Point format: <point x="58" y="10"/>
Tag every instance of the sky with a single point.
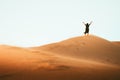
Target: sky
<point x="37" y="22"/>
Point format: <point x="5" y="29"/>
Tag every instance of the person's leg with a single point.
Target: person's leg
<point x="85" y="33"/>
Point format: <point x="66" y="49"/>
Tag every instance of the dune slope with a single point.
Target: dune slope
<point x="86" y="47"/>
<point x="79" y="58"/>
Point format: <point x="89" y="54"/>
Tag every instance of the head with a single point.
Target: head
<point x="87" y="24"/>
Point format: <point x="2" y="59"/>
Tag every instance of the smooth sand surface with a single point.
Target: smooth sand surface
<point x="79" y="58"/>
<point x="86" y="47"/>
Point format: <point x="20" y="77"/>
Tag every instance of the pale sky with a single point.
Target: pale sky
<point x="38" y="22"/>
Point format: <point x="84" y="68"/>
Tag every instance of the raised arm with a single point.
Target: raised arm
<point x="83" y="23"/>
<point x="90" y="22"/>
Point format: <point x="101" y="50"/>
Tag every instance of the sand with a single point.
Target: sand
<point x="79" y="58"/>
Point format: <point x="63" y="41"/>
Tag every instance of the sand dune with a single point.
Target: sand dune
<point x="79" y="58"/>
<point x="86" y="47"/>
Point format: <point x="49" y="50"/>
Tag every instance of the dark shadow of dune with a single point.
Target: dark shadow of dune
<point x="5" y="76"/>
<point x="60" y="67"/>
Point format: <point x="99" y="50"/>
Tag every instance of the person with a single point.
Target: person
<point x="87" y="27"/>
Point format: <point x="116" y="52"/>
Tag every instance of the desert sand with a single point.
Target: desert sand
<point x="79" y="58"/>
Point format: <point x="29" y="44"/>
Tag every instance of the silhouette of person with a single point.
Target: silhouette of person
<point x="87" y="28"/>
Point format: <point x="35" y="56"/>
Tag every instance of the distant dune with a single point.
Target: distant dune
<point x="117" y="43"/>
<point x="80" y="58"/>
